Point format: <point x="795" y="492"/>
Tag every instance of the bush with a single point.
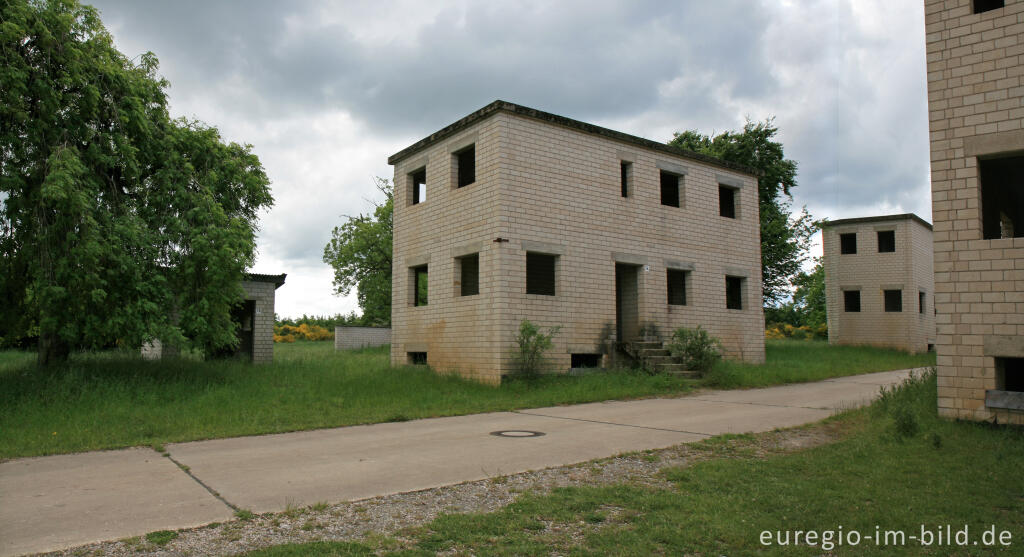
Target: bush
<point x="695" y="349"/>
<point x="778" y="331"/>
<point x="304" y="331"/>
<point x="531" y="344"/>
<point x="911" y="406"/>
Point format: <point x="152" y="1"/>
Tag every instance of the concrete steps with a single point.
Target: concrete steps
<point x="655" y="358"/>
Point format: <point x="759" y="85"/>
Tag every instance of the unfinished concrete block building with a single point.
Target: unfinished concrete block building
<point x="975" y="91"/>
<point x="512" y="213"/>
<point x="879" y="282"/>
<point x="255" y="318"/>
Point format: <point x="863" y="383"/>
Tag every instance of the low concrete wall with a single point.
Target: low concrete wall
<point x="360" y="337"/>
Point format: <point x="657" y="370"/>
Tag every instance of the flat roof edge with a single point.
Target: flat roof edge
<point x="512" y="108"/>
<point x="277" y="280"/>
<point x="879" y="218"/>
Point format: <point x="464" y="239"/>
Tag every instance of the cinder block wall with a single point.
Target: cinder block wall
<point x="908" y="268"/>
<point x="263" y="319"/>
<point x="975" y="110"/>
<point x="548" y="188"/>
<point x="564" y="196"/>
<point x="346" y="338"/>
<point x="457" y="332"/>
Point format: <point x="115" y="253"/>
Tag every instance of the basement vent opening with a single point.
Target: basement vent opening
<point x="1010" y="374"/>
<point x="417" y="358"/>
<point x="585" y="361"/>
<point x="1009" y="391"/>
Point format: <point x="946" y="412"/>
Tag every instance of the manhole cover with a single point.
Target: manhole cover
<point x="517" y="433"/>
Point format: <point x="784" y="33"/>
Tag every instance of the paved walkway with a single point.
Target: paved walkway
<point x="55" y="502"/>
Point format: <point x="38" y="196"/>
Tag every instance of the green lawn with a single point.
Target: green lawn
<point x="109" y="400"/>
<point x="899" y="468"/>
<point x="795" y="361"/>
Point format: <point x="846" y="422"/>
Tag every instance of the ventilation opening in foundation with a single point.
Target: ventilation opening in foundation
<point x="1010" y="374"/>
<point x="417" y="358"/>
<point x="585" y="360"/>
<point x="1002" y="198"/>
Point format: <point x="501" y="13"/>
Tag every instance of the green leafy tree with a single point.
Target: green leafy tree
<point x="360" y="254"/>
<point x="117" y="223"/>
<point x="785" y="238"/>
<point x="809" y="297"/>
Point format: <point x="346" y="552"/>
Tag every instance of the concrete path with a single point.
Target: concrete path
<point x="50" y="503"/>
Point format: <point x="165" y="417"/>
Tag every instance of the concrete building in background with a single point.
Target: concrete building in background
<point x="512" y="213"/>
<point x="976" y="111"/>
<point x="255" y="318"/>
<point x="879" y="282"/>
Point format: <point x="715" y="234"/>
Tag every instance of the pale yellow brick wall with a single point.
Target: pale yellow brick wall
<point x="553" y="189"/>
<point x="456" y="332"/>
<point x="909" y="269"/>
<point x="974" y="96"/>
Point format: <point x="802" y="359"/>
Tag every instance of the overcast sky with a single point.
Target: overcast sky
<point x="325" y="91"/>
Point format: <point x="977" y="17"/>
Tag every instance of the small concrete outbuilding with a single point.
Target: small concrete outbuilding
<point x="879" y="284"/>
<point x="255" y="316"/>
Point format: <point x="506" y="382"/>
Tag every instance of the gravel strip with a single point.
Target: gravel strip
<point x="389" y="515"/>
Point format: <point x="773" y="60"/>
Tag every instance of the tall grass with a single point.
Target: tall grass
<point x="101" y="401"/>
<point x="112" y="400"/>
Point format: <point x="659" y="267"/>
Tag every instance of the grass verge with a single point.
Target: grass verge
<point x="796" y="361"/>
<point x="899" y="469"/>
<point x="105" y="401"/>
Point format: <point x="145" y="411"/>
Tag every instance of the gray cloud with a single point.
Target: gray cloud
<point x="584" y="59"/>
<point x="326" y="91"/>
